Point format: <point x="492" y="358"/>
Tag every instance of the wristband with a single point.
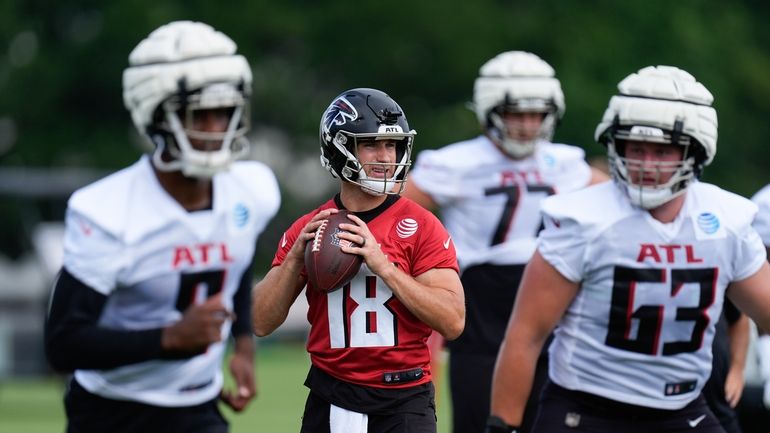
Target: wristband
<point x="495" y="424"/>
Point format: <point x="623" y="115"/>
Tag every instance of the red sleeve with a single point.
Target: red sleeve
<point x="291" y="234"/>
<point x="288" y="238"/>
<point x="434" y="248"/>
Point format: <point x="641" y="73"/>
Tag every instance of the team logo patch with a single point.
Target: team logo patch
<point x="708" y="222"/>
<point x="240" y="215"/>
<point x="339" y="112"/>
<point x="406" y="227"/>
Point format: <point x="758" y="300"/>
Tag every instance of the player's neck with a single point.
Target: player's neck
<point x="668" y="211"/>
<point x="356" y="200"/>
<point x="191" y="193"/>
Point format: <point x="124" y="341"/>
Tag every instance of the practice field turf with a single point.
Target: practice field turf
<point x="34" y="405"/>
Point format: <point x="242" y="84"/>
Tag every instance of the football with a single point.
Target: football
<point x="328" y="268"/>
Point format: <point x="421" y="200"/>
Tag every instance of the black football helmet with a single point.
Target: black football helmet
<point x="365" y="113"/>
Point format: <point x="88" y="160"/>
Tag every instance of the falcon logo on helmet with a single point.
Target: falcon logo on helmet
<point x="339" y="112"/>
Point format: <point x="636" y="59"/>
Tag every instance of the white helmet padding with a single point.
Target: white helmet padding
<point x="659" y="104"/>
<point x="517" y="81"/>
<point x="185" y="66"/>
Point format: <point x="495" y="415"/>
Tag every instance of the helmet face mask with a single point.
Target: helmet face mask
<point x="650" y="184"/>
<point x="517" y="82"/>
<point x="510" y="140"/>
<point x="666" y="106"/>
<point x="178" y="127"/>
<point x="180" y="69"/>
<point x="361" y="115"/>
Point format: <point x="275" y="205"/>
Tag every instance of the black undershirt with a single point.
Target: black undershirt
<point x="369" y="215"/>
<point x="74" y="339"/>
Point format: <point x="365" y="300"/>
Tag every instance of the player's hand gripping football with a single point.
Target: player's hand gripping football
<point x="358" y="233"/>
<point x="200" y="326"/>
<point x="297" y="252"/>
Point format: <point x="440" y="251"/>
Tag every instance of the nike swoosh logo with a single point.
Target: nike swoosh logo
<point x="446" y="242"/>
<point x="694" y="422"/>
<point x="283" y="240"/>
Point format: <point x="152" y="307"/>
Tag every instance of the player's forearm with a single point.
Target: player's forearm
<point x="274" y="295"/>
<point x="103" y="349"/>
<point x="739" y="344"/>
<point x="245" y="346"/>
<point x="74" y="339"/>
<point x="242" y="307"/>
<point x="430" y="300"/>
<point x="512" y="381"/>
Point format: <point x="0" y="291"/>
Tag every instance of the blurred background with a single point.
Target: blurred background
<point x="63" y="124"/>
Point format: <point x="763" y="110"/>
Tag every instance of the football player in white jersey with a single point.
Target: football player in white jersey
<point x="488" y="190"/>
<point x="634" y="272"/>
<point x="158" y="256"/>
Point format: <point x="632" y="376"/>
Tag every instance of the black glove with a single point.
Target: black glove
<point x="495" y="424"/>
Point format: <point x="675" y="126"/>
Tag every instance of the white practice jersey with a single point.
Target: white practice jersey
<point x="490" y="202"/>
<point x="641" y="327"/>
<point x="129" y="240"/>
<point x="762" y="220"/>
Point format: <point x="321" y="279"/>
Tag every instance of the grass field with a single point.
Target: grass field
<point x="34" y="405"/>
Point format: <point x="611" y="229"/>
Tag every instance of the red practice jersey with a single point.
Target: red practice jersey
<point x="362" y="332"/>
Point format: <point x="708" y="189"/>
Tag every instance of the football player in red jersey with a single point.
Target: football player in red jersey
<point x="157" y="256"/>
<point x="634" y="272"/>
<point x="368" y="346"/>
<point x="488" y="190"/>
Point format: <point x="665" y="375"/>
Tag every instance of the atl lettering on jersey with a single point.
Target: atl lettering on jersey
<point x="201" y="254"/>
<point x="667" y="254"/>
